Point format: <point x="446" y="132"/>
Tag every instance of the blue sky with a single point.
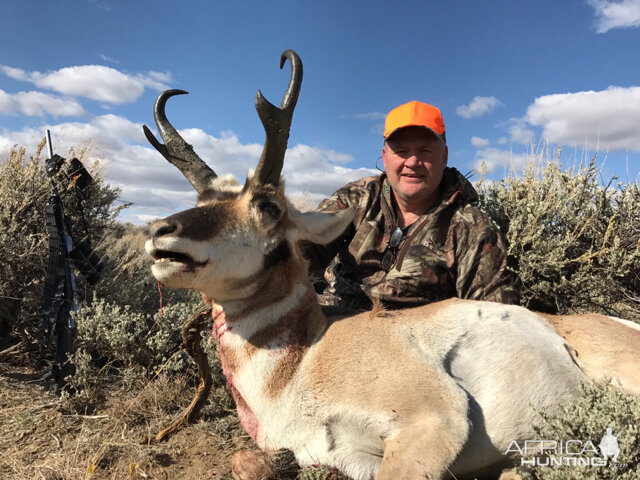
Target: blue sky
<point x="506" y="74"/>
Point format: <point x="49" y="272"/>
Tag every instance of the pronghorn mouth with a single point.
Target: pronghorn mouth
<point x="161" y="256"/>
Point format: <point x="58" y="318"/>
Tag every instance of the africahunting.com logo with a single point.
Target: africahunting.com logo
<point x="576" y="453"/>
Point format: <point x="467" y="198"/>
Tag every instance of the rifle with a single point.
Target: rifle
<point x="60" y="296"/>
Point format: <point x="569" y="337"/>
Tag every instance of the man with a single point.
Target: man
<point x="418" y="235"/>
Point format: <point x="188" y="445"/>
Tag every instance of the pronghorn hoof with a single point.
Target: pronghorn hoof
<point x="252" y="465"/>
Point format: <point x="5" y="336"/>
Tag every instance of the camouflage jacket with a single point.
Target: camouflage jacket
<point x="454" y="250"/>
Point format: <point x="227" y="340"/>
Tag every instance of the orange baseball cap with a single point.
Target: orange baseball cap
<point x="415" y="114"/>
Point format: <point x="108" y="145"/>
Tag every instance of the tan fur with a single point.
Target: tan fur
<point x="263" y="337"/>
<point x="604" y="348"/>
<point x="341" y="363"/>
<point x="231" y="358"/>
<point x="378" y="309"/>
<point x="263" y="298"/>
<point x="284" y="371"/>
<point x="279" y="286"/>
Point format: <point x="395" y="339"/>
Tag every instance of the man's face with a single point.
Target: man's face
<point x="414" y="159"/>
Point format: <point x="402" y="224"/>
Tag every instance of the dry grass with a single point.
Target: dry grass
<point x="46" y="437"/>
<point x="51" y="438"/>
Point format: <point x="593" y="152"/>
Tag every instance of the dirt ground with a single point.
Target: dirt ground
<point x="109" y="436"/>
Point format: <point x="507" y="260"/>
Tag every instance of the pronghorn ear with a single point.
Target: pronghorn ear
<point x="320" y="227"/>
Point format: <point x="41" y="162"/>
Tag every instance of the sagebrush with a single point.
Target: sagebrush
<point x="587" y="419"/>
<point x="573" y="241"/>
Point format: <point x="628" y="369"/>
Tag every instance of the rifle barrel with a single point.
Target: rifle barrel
<point x="49" y="146"/>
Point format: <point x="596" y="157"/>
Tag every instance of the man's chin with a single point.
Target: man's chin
<point x="413" y="189"/>
<point x="416" y="194"/>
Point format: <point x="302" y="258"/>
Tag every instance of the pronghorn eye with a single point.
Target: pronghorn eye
<point x="270" y="209"/>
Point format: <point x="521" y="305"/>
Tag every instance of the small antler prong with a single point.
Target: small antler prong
<point x="277" y="123"/>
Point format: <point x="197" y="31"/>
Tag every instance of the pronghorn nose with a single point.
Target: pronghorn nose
<point x="163" y="228"/>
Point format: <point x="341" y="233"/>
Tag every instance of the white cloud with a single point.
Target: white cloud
<point x="96" y="82"/>
<point x="519" y="132"/>
<point x="164" y="77"/>
<point x="479" y="142"/>
<point x="368" y="116"/>
<point x="338" y="157"/>
<point x="158" y="188"/>
<point x="494" y="158"/>
<point x="38" y="104"/>
<point x="622" y="14"/>
<point x="225" y="154"/>
<point x="603" y="120"/>
<point x="15" y="73"/>
<point x="119" y="128"/>
<point x="154" y="203"/>
<point x="313" y="171"/>
<point x="155" y="80"/>
<point x="478" y="107"/>
<point x="108" y="59"/>
<point x="143" y="175"/>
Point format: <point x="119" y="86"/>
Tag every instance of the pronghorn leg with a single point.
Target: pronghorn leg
<point x="252" y="465"/>
<point x="424" y="449"/>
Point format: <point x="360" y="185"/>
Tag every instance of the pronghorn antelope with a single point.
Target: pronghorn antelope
<point x="426" y="392"/>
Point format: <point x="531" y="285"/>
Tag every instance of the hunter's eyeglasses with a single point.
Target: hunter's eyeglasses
<point x="389" y="257"/>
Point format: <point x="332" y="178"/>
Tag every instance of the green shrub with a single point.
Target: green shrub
<point x="588" y="419"/>
<point x="121" y="338"/>
<point x="118" y="343"/>
<point x="574" y="242"/>
<point x="320" y="473"/>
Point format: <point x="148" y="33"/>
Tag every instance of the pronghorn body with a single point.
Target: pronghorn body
<point x="405" y="394"/>
<point x="347" y="392"/>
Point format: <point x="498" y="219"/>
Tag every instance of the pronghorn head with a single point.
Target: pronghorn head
<point x="235" y="234"/>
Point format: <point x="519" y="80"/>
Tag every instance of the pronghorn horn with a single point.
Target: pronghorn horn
<point x="175" y="149"/>
<point x="277" y="122"/>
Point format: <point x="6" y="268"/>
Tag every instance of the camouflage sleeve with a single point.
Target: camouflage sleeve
<point x="482" y="262"/>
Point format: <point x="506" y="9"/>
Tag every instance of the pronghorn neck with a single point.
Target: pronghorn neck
<point x="283" y="309"/>
<point x="263" y="339"/>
